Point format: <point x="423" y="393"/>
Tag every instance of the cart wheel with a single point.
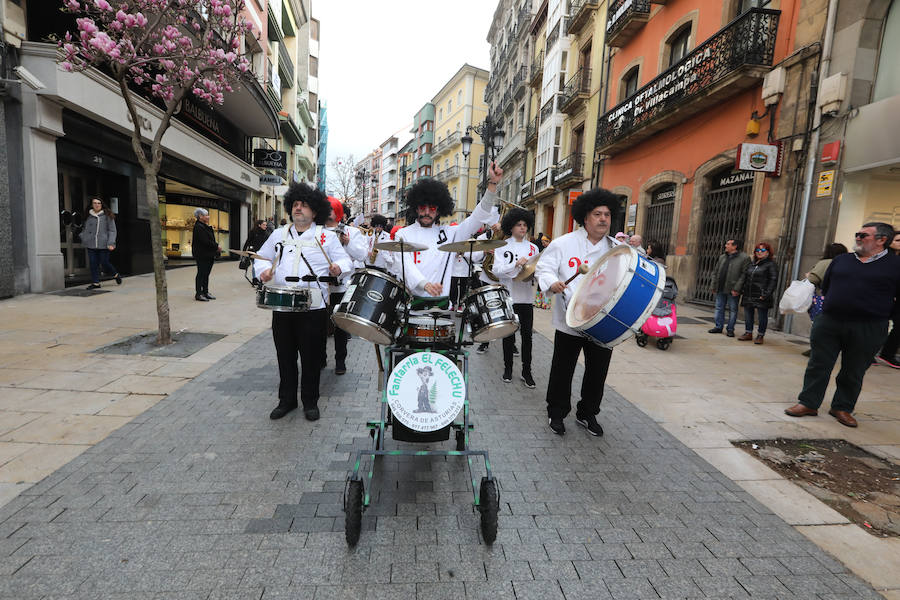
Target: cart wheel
<point x="353" y="511"/>
<point x="664" y="343"/>
<point x="641" y="339"/>
<point x="489" y="505"/>
<point x="460" y="439"/>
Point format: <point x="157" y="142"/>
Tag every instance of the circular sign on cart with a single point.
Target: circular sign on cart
<point x="426" y="391"/>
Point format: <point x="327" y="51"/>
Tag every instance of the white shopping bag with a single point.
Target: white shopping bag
<point x="797" y="298"/>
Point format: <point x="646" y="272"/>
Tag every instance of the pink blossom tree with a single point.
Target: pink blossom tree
<point x="167" y="49"/>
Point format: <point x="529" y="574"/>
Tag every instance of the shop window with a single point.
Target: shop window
<point x="679" y="44"/>
<point x="629" y="84"/>
<point x="887" y="79"/>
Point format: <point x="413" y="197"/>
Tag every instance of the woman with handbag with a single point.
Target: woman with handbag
<point x="758" y="286"/>
<point x="817" y="274"/>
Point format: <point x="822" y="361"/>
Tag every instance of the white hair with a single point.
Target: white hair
<point x="201" y="212"/>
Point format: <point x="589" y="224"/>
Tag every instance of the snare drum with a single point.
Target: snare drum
<point x="616" y="296"/>
<point x="429" y="330"/>
<point x="281" y="298"/>
<point x="369" y="306"/>
<point x="491" y="314"/>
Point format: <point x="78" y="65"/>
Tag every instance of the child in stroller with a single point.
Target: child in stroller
<point x="663" y="321"/>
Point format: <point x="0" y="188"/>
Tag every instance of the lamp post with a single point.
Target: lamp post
<point x="492" y="136"/>
<point x="363" y="178"/>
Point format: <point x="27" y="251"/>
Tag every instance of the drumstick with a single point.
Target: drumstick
<point x="319" y="244"/>
<point x="581" y="270"/>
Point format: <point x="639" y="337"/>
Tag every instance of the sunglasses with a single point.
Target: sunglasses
<point x="761" y="250"/>
<point x="428" y="207"/>
<point x="861" y="235"/>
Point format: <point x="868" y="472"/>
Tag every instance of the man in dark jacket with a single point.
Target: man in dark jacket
<point x="862" y="291"/>
<point x="205" y="248"/>
<point x="728" y="280"/>
<point x="257" y="237"/>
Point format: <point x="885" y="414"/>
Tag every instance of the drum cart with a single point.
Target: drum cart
<point x="357" y="495"/>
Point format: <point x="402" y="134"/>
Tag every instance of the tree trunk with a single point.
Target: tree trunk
<point x="159" y="268"/>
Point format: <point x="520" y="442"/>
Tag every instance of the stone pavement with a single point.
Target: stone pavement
<point x="202" y="496"/>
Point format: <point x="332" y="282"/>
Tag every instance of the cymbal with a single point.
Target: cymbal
<point x="528" y="268"/>
<point x="400" y="246"/>
<point x="472" y="245"/>
<point x="249" y="254"/>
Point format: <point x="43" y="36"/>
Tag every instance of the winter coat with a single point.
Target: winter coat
<point x="759" y="283"/>
<point x="736" y="267"/>
<point x="256" y="239"/>
<point x="204" y="243"/>
<point x="99" y="231"/>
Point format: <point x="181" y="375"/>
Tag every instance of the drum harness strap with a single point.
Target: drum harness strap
<point x="298" y="245"/>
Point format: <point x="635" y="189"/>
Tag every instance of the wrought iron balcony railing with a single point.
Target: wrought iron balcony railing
<point x="446" y="143"/>
<point x="518" y="84"/>
<point x="553" y="35"/>
<point x="448" y="173"/>
<point x="735" y="58"/>
<point x="526" y="190"/>
<point x="542" y="182"/>
<point x="547" y="109"/>
<point x="624" y="18"/>
<point x="579" y="10"/>
<point x="537" y="68"/>
<point x="577" y="89"/>
<point x="531" y="132"/>
<point x="569" y="169"/>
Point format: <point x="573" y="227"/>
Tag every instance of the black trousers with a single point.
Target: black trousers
<point x="201" y="281"/>
<point x="300" y="333"/>
<point x="526" y="322"/>
<point x="856" y="342"/>
<point x="889" y="350"/>
<point x="341" y="337"/>
<point x="562" y="368"/>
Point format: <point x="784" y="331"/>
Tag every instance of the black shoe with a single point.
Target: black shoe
<point x="281" y="410"/>
<point x="94" y="286"/>
<point x="515" y="351"/>
<point x="730" y="333"/>
<point x="528" y="379"/>
<point x="557" y="426"/>
<point x="482" y="348"/>
<point x="324" y="363"/>
<point x="311" y="414"/>
<point x="209" y="296"/>
<point x="118" y="279"/>
<point x="198" y="298"/>
<point x="340" y="368"/>
<point x="590" y="423"/>
<point x="715" y="330"/>
<point x="507" y="375"/>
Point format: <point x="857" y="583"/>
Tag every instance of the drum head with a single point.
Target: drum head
<point x="426" y="391"/>
<point x="601" y="286"/>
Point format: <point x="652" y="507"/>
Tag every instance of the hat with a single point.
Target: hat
<point x="424" y="369"/>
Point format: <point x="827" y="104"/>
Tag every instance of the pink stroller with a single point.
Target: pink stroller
<point x="663" y="321"/>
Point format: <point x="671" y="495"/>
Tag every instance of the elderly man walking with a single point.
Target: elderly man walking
<point x="729" y="277"/>
<point x="862" y="291"/>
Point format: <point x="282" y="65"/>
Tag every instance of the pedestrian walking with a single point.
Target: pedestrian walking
<point x="205" y="248"/>
<point x="257" y="236"/>
<point x="99" y="237"/>
<point x="757" y="290"/>
<point x="729" y="271"/>
<point x="888" y="354"/>
<point x="862" y="291"/>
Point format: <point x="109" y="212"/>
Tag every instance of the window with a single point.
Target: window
<point x="745" y="5"/>
<point x="314" y="30"/>
<point x="679" y="44"/>
<point x="629" y="83"/>
<point x="887" y="79"/>
<point x="454" y="193"/>
<point x="313" y="66"/>
<point x="557" y="138"/>
<point x="459" y="98"/>
<point x="440" y="114"/>
<point x="522" y="116"/>
<point x="449" y="106"/>
<point x="313" y="101"/>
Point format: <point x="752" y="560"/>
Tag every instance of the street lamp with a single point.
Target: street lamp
<point x="492" y="135"/>
<point x="363" y="177"/>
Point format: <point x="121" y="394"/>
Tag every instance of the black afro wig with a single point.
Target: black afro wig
<point x="379" y="221"/>
<point x="590" y="200"/>
<point x="429" y="191"/>
<point x="315" y="199"/>
<point x="514" y="216"/>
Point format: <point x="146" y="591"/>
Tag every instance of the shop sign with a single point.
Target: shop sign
<point x="825" y="184"/>
<point x="573" y="195"/>
<point x="270" y="180"/>
<point x="270" y="159"/>
<point x="831" y="152"/>
<point x="665" y="193"/>
<point x="205" y="119"/>
<point x="758" y="157"/>
<point x="733" y="179"/>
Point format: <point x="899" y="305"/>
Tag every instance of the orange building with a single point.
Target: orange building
<point x="685" y="89"/>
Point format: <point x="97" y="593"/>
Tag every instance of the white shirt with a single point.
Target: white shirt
<point x="384" y="258"/>
<point x="290" y="264"/>
<point x="560" y="260"/>
<point x="505" y="258"/>
<point x="428" y="265"/>
<point x="356" y="250"/>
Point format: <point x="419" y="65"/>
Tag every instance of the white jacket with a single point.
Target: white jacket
<point x="505" y="258"/>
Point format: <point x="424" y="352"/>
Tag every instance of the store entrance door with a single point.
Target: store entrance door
<point x="76" y="186"/>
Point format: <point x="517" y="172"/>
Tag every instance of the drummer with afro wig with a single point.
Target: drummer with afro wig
<point x="594" y="211"/>
<point x="298" y="254"/>
<point x="427" y="272"/>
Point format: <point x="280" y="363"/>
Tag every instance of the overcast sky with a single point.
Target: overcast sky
<point x="379" y="62"/>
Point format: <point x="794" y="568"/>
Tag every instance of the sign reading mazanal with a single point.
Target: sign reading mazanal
<point x="426" y="391"/>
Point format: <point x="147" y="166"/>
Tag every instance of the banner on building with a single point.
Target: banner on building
<point x="765" y="158"/>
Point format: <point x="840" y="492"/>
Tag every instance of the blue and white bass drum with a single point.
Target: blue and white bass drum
<point x="616" y="296"/>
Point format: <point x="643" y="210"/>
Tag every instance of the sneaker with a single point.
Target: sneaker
<point x="528" y="379"/>
<point x="557" y="426"/>
<point x="118" y="279"/>
<point x="94" y="286"/>
<point x="887" y="362"/>
<point x="507" y="375"/>
<point x="515" y="350"/>
<point x="590" y="423"/>
<point x="715" y="330"/>
<point x="482" y="348"/>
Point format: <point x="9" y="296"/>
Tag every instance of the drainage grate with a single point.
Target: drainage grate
<point x="689" y="321"/>
<point x="78" y="292"/>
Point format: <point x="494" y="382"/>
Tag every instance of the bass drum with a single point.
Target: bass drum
<point x="369" y="307"/>
<point x="491" y="314"/>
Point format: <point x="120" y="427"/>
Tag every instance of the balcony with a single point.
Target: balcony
<point x="303" y="111"/>
<point x="577" y="90"/>
<point x="624" y="19"/>
<point x="512" y="148"/>
<point x="580" y="12"/>
<point x="735" y="58"/>
<point x="542" y="186"/>
<point x="547" y="109"/>
<point x="446" y="143"/>
<point x="531" y="133"/>
<point x="569" y="170"/>
<point x="290" y="131"/>
<point x="537" y="69"/>
<point x="526" y="190"/>
<point x="518" y="84"/>
<point x="285" y="67"/>
<point x="447" y="174"/>
<point x="524" y="19"/>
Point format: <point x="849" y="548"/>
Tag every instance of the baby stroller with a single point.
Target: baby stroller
<point x="663" y="321"/>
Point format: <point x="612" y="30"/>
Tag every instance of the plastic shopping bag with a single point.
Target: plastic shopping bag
<point x="797" y="298"/>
